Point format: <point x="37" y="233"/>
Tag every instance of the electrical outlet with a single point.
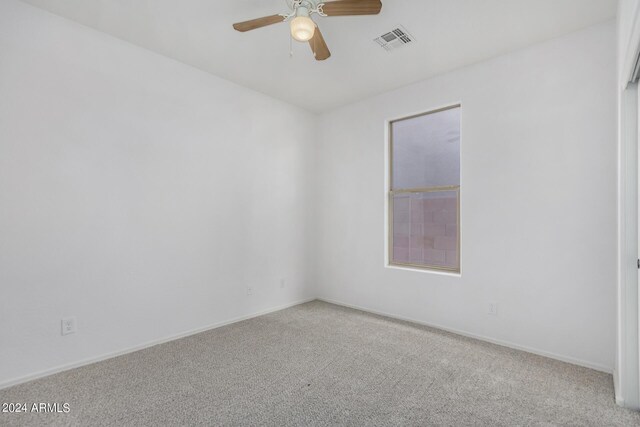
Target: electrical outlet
<point x="69" y="325"/>
<point x="249" y="290"/>
<point x="282" y="283"/>
<point x="492" y="308"/>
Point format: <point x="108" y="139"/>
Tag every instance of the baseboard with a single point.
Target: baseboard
<point x="84" y="362"/>
<point x="567" y="359"/>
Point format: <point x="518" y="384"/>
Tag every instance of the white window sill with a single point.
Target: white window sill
<point x="424" y="270"/>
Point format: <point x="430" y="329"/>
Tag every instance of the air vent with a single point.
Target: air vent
<point x="394" y="39"/>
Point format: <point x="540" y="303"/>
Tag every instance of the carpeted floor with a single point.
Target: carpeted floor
<point x="320" y="364"/>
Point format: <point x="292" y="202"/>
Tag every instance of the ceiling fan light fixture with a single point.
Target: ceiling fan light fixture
<point x="302" y="28"/>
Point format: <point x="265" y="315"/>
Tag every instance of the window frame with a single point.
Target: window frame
<point x="391" y="192"/>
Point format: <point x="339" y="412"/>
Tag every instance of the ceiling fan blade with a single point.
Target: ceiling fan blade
<point x="319" y="46"/>
<point x="352" y="7"/>
<point x="258" y="23"/>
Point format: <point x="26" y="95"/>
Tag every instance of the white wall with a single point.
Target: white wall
<point x="136" y="193"/>
<point x="538" y="201"/>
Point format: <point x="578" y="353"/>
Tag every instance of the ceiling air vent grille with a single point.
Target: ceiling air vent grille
<point x="394" y="39"/>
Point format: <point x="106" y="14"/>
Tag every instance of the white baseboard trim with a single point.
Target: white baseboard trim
<point x="68" y="366"/>
<point x="567" y="359"/>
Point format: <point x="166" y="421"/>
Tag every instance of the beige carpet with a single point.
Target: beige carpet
<point x="319" y="364"/>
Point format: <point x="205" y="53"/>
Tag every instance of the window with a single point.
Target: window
<point x="424" y="192"/>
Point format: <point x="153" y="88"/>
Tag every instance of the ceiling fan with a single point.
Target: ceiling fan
<point x="303" y="28"/>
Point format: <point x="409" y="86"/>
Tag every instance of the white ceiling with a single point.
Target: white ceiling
<point x="449" y="34"/>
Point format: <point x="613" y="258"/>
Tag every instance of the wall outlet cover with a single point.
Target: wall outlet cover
<point x="69" y="325"/>
<point x="492" y="308"/>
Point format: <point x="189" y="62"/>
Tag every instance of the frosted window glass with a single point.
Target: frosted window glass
<point x="426" y="150"/>
<point x="425" y="229"/>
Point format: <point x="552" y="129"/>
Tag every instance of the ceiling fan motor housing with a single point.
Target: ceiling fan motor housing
<point x="306" y="7"/>
<point x="302" y="11"/>
<point x="309" y="4"/>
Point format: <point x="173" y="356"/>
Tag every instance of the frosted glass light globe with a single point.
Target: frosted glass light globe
<point x="302" y="28"/>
